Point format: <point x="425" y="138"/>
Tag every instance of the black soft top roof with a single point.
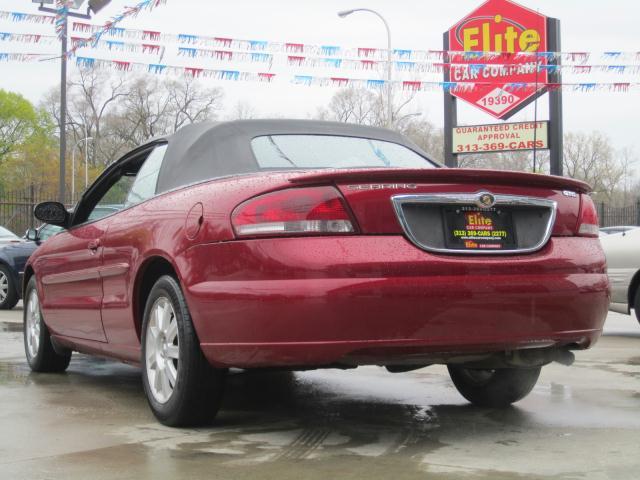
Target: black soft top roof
<point x="202" y="151"/>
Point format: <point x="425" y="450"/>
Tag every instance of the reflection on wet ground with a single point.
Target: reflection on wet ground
<point x="10" y="327"/>
<point x="93" y="422"/>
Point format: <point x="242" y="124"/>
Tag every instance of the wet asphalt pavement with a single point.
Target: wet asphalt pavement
<point x="580" y="422"/>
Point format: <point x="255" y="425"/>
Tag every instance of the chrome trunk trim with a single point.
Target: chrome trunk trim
<point x="473" y="199"/>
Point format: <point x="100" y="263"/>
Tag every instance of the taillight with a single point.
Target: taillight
<point x="588" y="225"/>
<point x="295" y="211"/>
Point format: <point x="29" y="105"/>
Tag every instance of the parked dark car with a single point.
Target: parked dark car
<point x="302" y="244"/>
<point x="7" y="236"/>
<point x="14" y="254"/>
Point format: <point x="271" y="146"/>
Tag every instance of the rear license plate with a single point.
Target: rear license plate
<point x="469" y="228"/>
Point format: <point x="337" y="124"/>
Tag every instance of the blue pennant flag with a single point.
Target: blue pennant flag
<point x="304" y="79"/>
<point x="403" y="53"/>
<point x="586" y="87"/>
<point x="85" y="62"/>
<point x="116" y="31"/>
<point x="189" y="52"/>
<point x="329" y="50"/>
<point x="229" y="75"/>
<point x="156" y="68"/>
<point x="258" y="44"/>
<point x="405" y="65"/>
<point x="333" y="62"/>
<point x="261" y="57"/>
<point x="112" y="43"/>
<point x="377" y="84"/>
<point x="183" y="38"/>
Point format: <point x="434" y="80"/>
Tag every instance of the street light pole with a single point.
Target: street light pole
<point x="73" y="165"/>
<point x="345" y="13"/>
<point x="94" y="6"/>
<point x="63" y="111"/>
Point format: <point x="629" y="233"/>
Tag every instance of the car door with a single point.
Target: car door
<point x="623" y="262"/>
<point x="70" y="267"/>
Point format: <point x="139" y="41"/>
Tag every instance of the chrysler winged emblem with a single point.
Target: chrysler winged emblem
<point x="485" y="200"/>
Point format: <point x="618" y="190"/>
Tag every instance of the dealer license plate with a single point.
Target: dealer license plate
<point x="470" y="228"/>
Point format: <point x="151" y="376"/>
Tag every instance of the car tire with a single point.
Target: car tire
<point x="636" y="303"/>
<point x="182" y="388"/>
<point x="8" y="290"/>
<point x="497" y="388"/>
<point x="41" y="355"/>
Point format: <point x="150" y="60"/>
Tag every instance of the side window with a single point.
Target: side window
<point x="144" y="185"/>
<point x="47" y="231"/>
<point x="114" y="199"/>
<point x="130" y="183"/>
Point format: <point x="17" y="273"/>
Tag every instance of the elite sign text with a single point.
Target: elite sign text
<point x="505" y="29"/>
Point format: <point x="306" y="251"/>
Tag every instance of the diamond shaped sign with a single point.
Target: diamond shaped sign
<point x="506" y="29"/>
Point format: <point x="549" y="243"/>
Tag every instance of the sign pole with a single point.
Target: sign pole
<point x="63" y="113"/>
<point x="450" y="112"/>
<point x="555" y="101"/>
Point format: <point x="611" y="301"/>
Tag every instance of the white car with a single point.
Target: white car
<point x="623" y="261"/>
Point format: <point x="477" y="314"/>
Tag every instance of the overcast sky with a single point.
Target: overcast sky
<point x="587" y="25"/>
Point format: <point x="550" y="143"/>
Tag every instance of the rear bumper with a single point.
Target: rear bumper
<point x="321" y="301"/>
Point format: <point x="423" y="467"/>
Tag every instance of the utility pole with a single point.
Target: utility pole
<point x="389" y="89"/>
<point x="63" y="112"/>
<point x="93" y="6"/>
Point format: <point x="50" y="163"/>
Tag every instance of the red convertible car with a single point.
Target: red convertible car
<point x="303" y="244"/>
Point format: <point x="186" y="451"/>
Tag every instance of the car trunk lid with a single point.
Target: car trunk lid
<point x="441" y="210"/>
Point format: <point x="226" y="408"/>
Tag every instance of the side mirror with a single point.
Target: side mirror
<point x="31" y="234"/>
<point x="52" y="212"/>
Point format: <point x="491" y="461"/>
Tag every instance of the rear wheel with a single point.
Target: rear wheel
<point x="8" y="290"/>
<point x="41" y="355"/>
<point x="636" y="303"/>
<point x="496" y="388"/>
<point x="181" y="387"/>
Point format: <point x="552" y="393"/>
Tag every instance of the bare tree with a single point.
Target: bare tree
<point x="93" y="96"/>
<point x="426" y="135"/>
<point x="242" y="110"/>
<point x="591" y="158"/>
<point x="191" y="102"/>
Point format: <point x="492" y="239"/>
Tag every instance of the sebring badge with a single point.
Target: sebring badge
<point x="485" y="200"/>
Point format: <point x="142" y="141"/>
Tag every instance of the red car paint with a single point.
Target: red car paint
<point x="370" y="297"/>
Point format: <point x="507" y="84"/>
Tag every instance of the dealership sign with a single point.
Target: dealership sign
<point x="500" y="137"/>
<point x="499" y="26"/>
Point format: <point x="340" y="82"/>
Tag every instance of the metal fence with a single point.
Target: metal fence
<point x="16" y="210"/>
<point x="612" y="216"/>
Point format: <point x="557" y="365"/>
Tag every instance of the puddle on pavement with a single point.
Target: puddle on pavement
<point x="12" y="327"/>
<point x="12" y="372"/>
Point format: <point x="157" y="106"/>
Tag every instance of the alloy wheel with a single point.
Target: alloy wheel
<point x="162" y="350"/>
<point x="33" y="324"/>
<point x="4" y="287"/>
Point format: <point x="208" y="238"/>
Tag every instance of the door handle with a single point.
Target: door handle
<point x="93" y="245"/>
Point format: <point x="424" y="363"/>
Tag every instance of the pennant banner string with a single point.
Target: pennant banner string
<point x="27" y="38"/>
<point x="27" y="17"/>
<point x="88" y="62"/>
<point x="338" y="51"/>
<point x="110" y="29"/>
<point x="111" y="24"/>
<point x="471" y="70"/>
<point x="309" y="80"/>
<point x="22" y="57"/>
